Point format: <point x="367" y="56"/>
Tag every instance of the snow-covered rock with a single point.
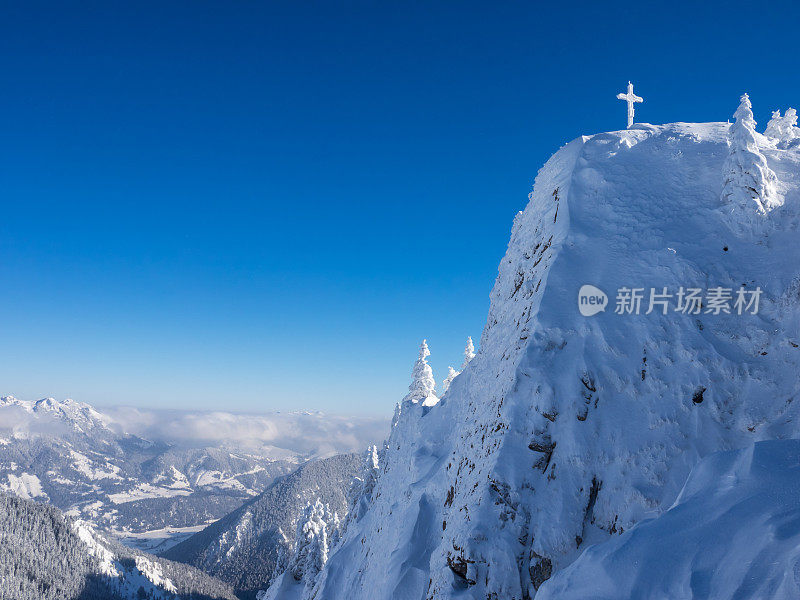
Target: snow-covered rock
<point x="566" y="430"/>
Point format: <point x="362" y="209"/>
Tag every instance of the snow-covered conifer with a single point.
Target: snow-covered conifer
<point x="748" y="181"/>
<point x="422" y="382"/>
<point x="469" y="353"/>
<point x="774" y="126"/>
<point x="311" y="542"/>
<point x="398" y="409"/>
<point x="790" y="123"/>
<point x="336" y="529"/>
<point x="783" y="129"/>
<point x="363" y="484"/>
<point x="318" y="531"/>
<point x="451" y="374"/>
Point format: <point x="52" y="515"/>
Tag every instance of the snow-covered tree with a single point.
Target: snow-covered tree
<point x="783" y="129"/>
<point x="398" y="410"/>
<point x="335" y="528"/>
<point x="451" y="374"/>
<point x="362" y="486"/>
<point x="469" y="353"/>
<point x="422" y="382"/>
<point x="311" y="542"/>
<point x="318" y="530"/>
<point x="790" y="123"/>
<point x="748" y="180"/>
<point x="774" y="126"/>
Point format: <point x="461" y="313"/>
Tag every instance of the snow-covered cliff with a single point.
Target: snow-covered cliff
<point x="568" y="430"/>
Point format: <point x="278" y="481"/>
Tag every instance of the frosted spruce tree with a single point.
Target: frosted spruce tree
<point x="451" y="374"/>
<point x="422" y="382"/>
<point x="783" y="129"/>
<point x="469" y="353"/>
<point x="790" y="129"/>
<point x="398" y="410"/>
<point x="311" y="542"/>
<point x="749" y="183"/>
<point x="318" y="530"/>
<point x="362" y="486"/>
<point x="775" y="125"/>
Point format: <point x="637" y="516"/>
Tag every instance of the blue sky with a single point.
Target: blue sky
<point x="258" y="205"/>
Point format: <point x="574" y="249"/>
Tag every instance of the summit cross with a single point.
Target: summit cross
<point x="630" y="98"/>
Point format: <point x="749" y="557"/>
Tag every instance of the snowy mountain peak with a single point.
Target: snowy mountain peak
<point x="77" y="414"/>
<point x="12" y="401"/>
<point x="571" y="426"/>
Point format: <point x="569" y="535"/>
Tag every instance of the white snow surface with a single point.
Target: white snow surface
<point x="25" y="486"/>
<point x="146" y="574"/>
<point x="734" y="532"/>
<point x="106" y="559"/>
<point x="567" y="431"/>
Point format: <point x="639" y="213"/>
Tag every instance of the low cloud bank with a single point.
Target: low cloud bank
<point x="278" y="434"/>
<point x="304" y="433"/>
<point x="15" y="420"/>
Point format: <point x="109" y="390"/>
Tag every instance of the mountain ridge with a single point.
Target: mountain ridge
<point x="247" y="546"/>
<point x="45" y="556"/>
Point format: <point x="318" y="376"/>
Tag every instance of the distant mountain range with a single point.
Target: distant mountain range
<point x="151" y="493"/>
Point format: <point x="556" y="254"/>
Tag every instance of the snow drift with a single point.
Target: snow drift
<point x="734" y="532"/>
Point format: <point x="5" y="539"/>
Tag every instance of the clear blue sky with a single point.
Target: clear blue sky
<point x="261" y="205"/>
